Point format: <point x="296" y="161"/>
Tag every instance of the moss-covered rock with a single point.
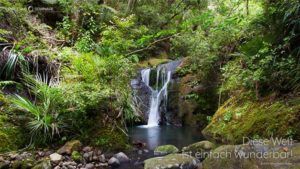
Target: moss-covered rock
<point x="242" y="116"/>
<point x="172" y="161"/>
<point x="165" y="149"/>
<point x="199" y="149"/>
<point x="69" y="147"/>
<point x="252" y="156"/>
<point x="108" y="139"/>
<point x="43" y="164"/>
<point x="152" y="62"/>
<point x="76" y="156"/>
<point x="22" y="164"/>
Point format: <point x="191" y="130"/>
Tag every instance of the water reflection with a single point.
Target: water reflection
<point x="160" y="135"/>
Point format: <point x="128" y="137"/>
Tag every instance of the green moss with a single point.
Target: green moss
<point x="165" y="149"/>
<point x="24" y="164"/>
<point x="11" y="137"/>
<point x="109" y="139"/>
<point x="76" y="156"/>
<point x="244" y="117"/>
<point x="45" y="163"/>
<point x="153" y="62"/>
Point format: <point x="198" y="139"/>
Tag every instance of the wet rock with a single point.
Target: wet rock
<point x="122" y="157"/>
<point x="172" y="161"/>
<point x="165" y="149"/>
<point x="56" y="158"/>
<point x="69" y="147"/>
<point x="114" y="162"/>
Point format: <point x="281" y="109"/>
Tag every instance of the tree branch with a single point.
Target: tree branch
<point x="151" y="44"/>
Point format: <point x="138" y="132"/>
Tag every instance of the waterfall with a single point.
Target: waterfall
<point x="159" y="94"/>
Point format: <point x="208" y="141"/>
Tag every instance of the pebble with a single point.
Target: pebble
<point x="87" y="149"/>
<point x="89" y="166"/>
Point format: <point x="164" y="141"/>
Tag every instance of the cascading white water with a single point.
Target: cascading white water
<point x="146" y="76"/>
<point x="159" y="94"/>
<point x="157" y="97"/>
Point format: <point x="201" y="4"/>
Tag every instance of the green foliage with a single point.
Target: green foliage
<point x="228" y="116"/>
<point x="4" y="33"/>
<point x="45" y="121"/>
<point x="10" y="67"/>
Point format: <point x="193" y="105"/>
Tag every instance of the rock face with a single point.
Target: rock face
<point x="199" y="149"/>
<point x="165" y="149"/>
<point x="252" y="157"/>
<point x="69" y="147"/>
<point x="172" y="161"/>
<point x="142" y="93"/>
<point x="241" y="116"/>
<point x="156" y="77"/>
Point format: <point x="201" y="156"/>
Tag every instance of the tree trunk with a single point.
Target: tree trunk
<point x="130" y="5"/>
<point x="247" y="7"/>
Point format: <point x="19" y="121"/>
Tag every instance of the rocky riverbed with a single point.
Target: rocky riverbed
<point x="200" y="155"/>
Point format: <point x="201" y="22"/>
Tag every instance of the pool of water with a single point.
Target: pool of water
<point x="161" y="135"/>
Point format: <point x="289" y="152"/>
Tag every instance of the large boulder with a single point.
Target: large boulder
<point x="172" y="161"/>
<point x="199" y="149"/>
<point x="165" y="149"/>
<point x="69" y="147"/>
<point x="254" y="157"/>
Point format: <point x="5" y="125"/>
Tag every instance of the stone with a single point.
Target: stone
<point x="122" y="157"/>
<point x="89" y="166"/>
<point x="69" y="147"/>
<point x="172" y="161"/>
<point x="102" y="158"/>
<point x="44" y="164"/>
<point x="41" y="153"/>
<point x="56" y="158"/>
<point x="199" y="149"/>
<point x="114" y="162"/>
<point x="88" y="156"/>
<point x="87" y="149"/>
<point x="165" y="149"/>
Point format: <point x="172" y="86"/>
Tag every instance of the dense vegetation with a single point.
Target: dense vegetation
<point x="66" y="65"/>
